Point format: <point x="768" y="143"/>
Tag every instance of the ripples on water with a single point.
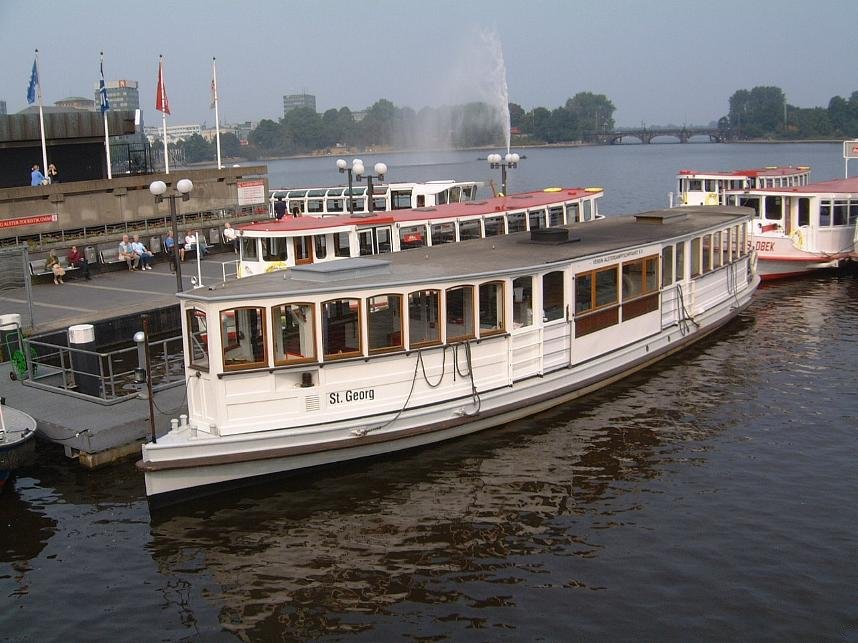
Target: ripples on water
<point x="710" y="497"/>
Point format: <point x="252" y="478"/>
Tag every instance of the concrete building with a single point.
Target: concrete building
<point x="2" y="107"/>
<point x="175" y="133"/>
<point x="294" y="101"/>
<point x="76" y="102"/>
<point x="121" y="94"/>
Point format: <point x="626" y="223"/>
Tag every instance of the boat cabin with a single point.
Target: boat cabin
<point x="707" y="188"/>
<point x="275" y="245"/>
<point x="333" y="201"/>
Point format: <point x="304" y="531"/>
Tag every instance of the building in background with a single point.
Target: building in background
<point x="294" y="101"/>
<point x="76" y="102"/>
<point x="2" y="107"/>
<point x="175" y="133"/>
<point x="121" y="94"/>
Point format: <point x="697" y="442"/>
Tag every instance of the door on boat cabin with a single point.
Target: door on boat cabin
<point x="556" y="329"/>
<point x="374" y="241"/>
<point x="303" y="247"/>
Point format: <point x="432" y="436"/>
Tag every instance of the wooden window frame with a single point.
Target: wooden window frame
<point x="329" y="357"/>
<point x="190" y="313"/>
<point x="501" y="297"/>
<point x="386" y="349"/>
<point x="263" y="363"/>
<point x="473" y="333"/>
<point x="431" y="342"/>
<point x="277" y="311"/>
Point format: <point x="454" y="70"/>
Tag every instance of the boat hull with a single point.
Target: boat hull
<point x="197" y="467"/>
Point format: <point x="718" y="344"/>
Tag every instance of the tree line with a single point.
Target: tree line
<point x="758" y="113"/>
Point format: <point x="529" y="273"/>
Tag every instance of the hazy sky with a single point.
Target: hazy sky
<point x="660" y="62"/>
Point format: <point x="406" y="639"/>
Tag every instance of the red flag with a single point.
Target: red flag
<point x="161" y="103"/>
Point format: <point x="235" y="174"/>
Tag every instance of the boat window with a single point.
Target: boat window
<point x="359" y="204"/>
<point x="321" y="243"/>
<point x="441" y="198"/>
<point x="595" y="300"/>
<point x="297" y="194"/>
<point x="460" y="313"/>
<point x="515" y="222"/>
<point x="311" y="193"/>
<point x="365" y="242"/>
<point x="242" y="335"/>
<point x="443" y="233"/>
<point x="536" y="219"/>
<point x="639" y="277"/>
<point x="379" y="203"/>
<point x="423" y="309"/>
<point x="274" y="248"/>
<point x="400" y="199"/>
<point x="455" y="194"/>
<point x="341" y="244"/>
<point x="412" y="237"/>
<point x="717" y="251"/>
<point x="825" y="213"/>
<point x="294" y="334"/>
<point x="552" y="296"/>
<point x="296" y="207"/>
<point x="522" y="301"/>
<point x="341" y="328"/>
<point x="555" y="216"/>
<point x="335" y="192"/>
<point x="469" y="230"/>
<point x="804" y="211"/>
<point x="469" y="192"/>
<point x="841" y="212"/>
<point x="384" y="323"/>
<point x="315" y="206"/>
<point x="680" y="261"/>
<point x="774" y="208"/>
<point x="382" y="239"/>
<point x="666" y="266"/>
<point x="695" y="257"/>
<point x="707" y="253"/>
<point x="589" y="212"/>
<point x="303" y="248"/>
<point x="572" y="213"/>
<point x="853" y="212"/>
<point x="494" y="225"/>
<point x="751" y="202"/>
<point x="695" y="185"/>
<point x="249" y="251"/>
<point x="491" y="308"/>
<point x="198" y="339"/>
<point x="335" y="205"/>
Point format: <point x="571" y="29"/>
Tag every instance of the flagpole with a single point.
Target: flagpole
<point x="103" y="97"/>
<point x="163" y="98"/>
<point x="41" y="117"/>
<point x="217" y="118"/>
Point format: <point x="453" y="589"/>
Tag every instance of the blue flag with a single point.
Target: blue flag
<point x="102" y="91"/>
<point x="34" y="80"/>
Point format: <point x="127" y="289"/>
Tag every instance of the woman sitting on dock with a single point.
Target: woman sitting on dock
<point x="53" y="263"/>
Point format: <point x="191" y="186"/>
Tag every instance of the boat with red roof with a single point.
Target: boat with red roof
<point x="275" y="245"/>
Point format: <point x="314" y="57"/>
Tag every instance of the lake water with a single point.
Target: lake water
<point x="710" y="497"/>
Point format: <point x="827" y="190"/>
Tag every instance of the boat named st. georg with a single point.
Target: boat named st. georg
<point x="348" y="359"/>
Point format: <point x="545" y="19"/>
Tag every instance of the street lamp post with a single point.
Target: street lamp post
<point x="509" y="161"/>
<point x="360" y="174"/>
<point x="343" y="167"/>
<point x="182" y="191"/>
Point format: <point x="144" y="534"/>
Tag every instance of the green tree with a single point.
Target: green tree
<point x="302" y="131"/>
<point x="230" y="145"/>
<point x="516" y="115"/>
<point x="592" y="112"/>
<point x="758" y="112"/>
<point x="197" y="149"/>
<point x="266" y="135"/>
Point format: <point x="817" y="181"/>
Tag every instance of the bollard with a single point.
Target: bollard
<point x="86" y="367"/>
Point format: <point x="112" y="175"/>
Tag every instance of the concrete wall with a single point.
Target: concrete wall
<point x="90" y="204"/>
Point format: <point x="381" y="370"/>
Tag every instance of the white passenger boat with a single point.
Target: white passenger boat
<point x="341" y="360"/>
<point x="333" y="201"/>
<point x="275" y="245"/>
<point x="799" y="226"/>
<point x="706" y="188"/>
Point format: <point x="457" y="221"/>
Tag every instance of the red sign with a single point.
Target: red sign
<point x="34" y="220"/>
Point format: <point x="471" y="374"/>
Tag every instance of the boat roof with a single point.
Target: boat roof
<point x="835" y="186"/>
<point x="492" y="257"/>
<point x="492" y="205"/>
<point x="426" y="187"/>
<point x="770" y="170"/>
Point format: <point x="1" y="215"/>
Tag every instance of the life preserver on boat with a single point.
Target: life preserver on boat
<point x="798" y="238"/>
<point x="712" y="199"/>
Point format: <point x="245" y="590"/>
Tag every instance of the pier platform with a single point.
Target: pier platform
<point x="93" y="433"/>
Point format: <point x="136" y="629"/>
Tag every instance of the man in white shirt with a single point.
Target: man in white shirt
<point x="230" y="236"/>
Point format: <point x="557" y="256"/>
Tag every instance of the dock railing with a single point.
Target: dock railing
<point x="229" y="269"/>
<point x="105" y="378"/>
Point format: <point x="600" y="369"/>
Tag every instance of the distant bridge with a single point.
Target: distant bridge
<point x="645" y="135"/>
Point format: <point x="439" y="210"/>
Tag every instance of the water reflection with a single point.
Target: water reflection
<point x="371" y="539"/>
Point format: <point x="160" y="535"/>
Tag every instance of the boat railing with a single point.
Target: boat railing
<point x="229" y="269"/>
<point x="105" y="378"/>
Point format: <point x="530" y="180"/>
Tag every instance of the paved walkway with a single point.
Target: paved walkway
<point x="108" y="294"/>
<point x="81" y="425"/>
